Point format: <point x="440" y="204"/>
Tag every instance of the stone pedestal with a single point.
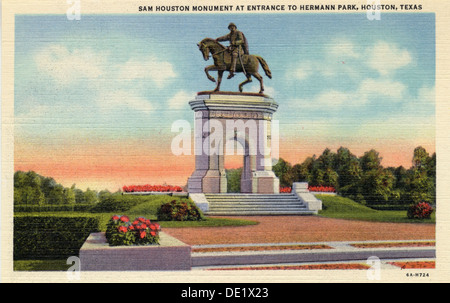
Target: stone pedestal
<point x="170" y="254"/>
<point x="221" y="119"/>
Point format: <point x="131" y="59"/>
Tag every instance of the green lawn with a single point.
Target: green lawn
<point x="41" y="265"/>
<point x="344" y="208"/>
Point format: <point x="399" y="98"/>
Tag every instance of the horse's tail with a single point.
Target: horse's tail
<point x="265" y="66"/>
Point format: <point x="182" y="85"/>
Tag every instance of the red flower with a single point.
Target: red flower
<point x="115" y="218"/>
<point x="135" y="222"/>
<point x="153" y="227"/>
<point x="158" y="227"/>
<point x="122" y="229"/>
<point x="143" y="226"/>
<point x="131" y="227"/>
<point x="148" y="222"/>
<point x="152" y="233"/>
<point x="142" y="234"/>
<point x="124" y="219"/>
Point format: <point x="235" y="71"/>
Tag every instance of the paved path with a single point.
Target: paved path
<point x="283" y="229"/>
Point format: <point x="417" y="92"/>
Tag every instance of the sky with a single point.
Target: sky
<point x="95" y="99"/>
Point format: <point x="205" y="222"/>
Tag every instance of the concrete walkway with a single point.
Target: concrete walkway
<point x="335" y="251"/>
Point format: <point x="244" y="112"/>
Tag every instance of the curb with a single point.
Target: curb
<point x="341" y="251"/>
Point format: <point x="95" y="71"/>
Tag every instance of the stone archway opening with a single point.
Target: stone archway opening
<point x="222" y="122"/>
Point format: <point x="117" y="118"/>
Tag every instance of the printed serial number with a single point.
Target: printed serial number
<point x="418" y="274"/>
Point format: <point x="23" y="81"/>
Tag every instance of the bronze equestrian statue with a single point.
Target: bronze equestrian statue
<point x="226" y="59"/>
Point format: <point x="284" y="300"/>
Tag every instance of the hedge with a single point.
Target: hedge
<point x="118" y="203"/>
<point x="52" y="208"/>
<point x="42" y="236"/>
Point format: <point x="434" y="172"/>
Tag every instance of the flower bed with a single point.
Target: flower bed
<point x="322" y="189"/>
<point x="414" y="264"/>
<point x="121" y="231"/>
<point x="285" y="190"/>
<point x="151" y="188"/>
<point x="317" y="189"/>
<point x="297" y="267"/>
<point x="393" y="244"/>
<point x="262" y="248"/>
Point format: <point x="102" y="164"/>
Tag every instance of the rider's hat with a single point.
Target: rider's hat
<point x="231" y="24"/>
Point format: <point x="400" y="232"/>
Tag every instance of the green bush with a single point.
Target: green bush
<point x="421" y="210"/>
<point x="51" y="237"/>
<point x="182" y="210"/>
<point x="52" y="208"/>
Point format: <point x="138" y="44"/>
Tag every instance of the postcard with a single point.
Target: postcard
<point x="203" y="141"/>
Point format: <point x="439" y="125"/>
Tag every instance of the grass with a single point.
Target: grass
<point x="344" y="208"/>
<point x="41" y="265"/>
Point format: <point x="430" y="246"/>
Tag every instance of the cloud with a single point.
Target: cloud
<point x="345" y="59"/>
<point x="111" y="100"/>
<point x="147" y="68"/>
<point x="387" y="58"/>
<point x="180" y="100"/>
<point x="342" y="49"/>
<point x="67" y="66"/>
<point x="393" y="90"/>
<point x="369" y="90"/>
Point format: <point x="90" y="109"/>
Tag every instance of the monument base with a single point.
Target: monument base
<point x="230" y="116"/>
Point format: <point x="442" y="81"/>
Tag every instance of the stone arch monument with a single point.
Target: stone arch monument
<point x="222" y="118"/>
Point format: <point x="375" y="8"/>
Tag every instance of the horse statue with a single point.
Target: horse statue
<point x="247" y="64"/>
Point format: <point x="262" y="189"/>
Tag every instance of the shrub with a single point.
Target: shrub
<point x="121" y="231"/>
<point x="51" y="237"/>
<point x="421" y="210"/>
<point x="182" y="210"/>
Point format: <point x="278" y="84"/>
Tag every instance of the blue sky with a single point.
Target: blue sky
<point x="340" y="79"/>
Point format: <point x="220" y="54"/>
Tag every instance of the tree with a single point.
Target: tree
<point x="423" y="176"/>
<point x="421" y="158"/>
<point x="281" y="170"/>
<point x="90" y="196"/>
<point x="371" y="160"/>
<point x="69" y="195"/>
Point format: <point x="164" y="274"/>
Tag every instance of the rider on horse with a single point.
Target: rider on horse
<point x="238" y="46"/>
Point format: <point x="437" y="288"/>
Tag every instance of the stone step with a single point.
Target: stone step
<point x="250" y="196"/>
<point x="255" y="205"/>
<point x="255" y="201"/>
<point x="267" y="205"/>
<point x="259" y="213"/>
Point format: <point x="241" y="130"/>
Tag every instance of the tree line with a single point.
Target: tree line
<point x="364" y="179"/>
<point x="31" y="188"/>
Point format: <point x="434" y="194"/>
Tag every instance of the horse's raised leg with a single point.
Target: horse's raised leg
<point x="260" y="79"/>
<point x="248" y="80"/>
<point x="207" y="69"/>
<point x="219" y="80"/>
